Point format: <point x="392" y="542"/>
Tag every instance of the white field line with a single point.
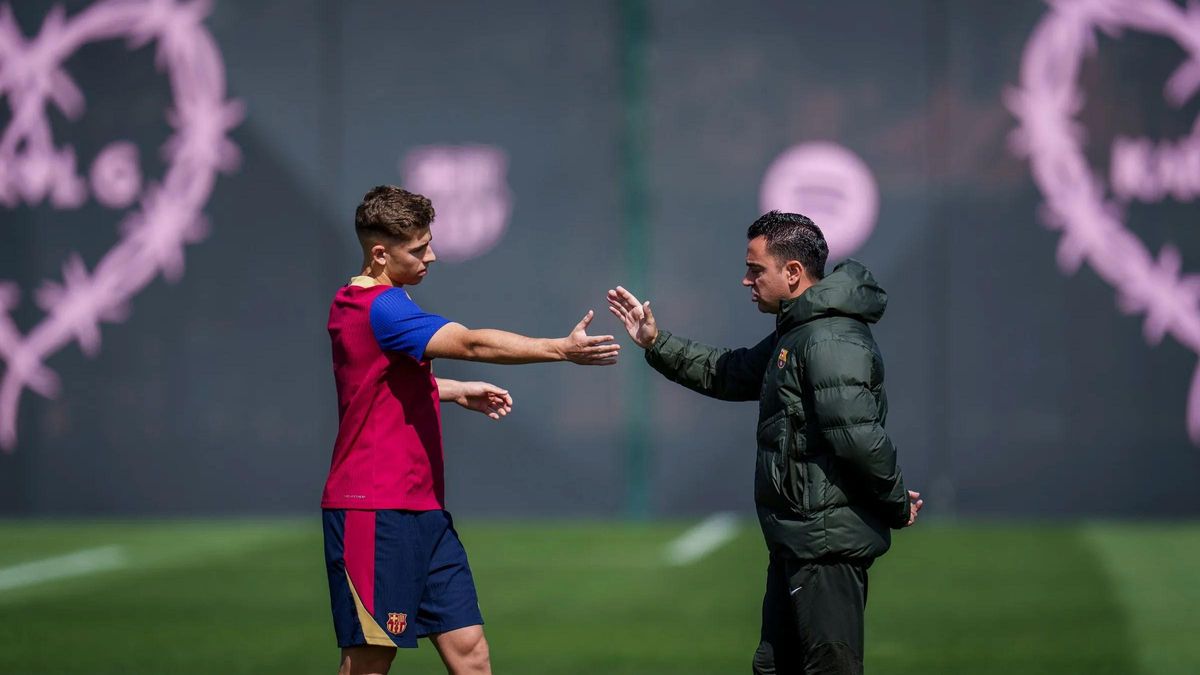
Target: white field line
<point x="77" y="564"/>
<point x="712" y="533"/>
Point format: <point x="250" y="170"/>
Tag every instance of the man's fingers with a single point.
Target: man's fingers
<point x="583" y="323"/>
<point x="620" y="309"/>
<point x="593" y="340"/>
<point x="605" y="355"/>
<point x="913" y="494"/>
<point x="628" y="298"/>
<point x="624" y="317"/>
<point x="600" y="348"/>
<point x="599" y="345"/>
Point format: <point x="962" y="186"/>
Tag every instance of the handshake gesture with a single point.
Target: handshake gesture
<point x="589" y="350"/>
<point x="635" y="315"/>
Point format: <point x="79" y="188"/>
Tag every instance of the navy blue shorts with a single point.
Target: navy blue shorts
<point x="395" y="576"/>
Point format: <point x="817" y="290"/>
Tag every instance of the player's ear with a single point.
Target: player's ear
<point x="378" y="254"/>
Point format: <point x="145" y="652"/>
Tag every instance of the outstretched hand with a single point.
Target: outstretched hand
<point x="589" y="350"/>
<point x="637" y="317"/>
<point x="914" y="506"/>
<point x="485" y="398"/>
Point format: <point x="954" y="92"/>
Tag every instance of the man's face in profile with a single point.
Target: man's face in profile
<point x="408" y="262"/>
<point x="766" y="277"/>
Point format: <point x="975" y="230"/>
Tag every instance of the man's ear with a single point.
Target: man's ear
<point x="377" y="252"/>
<point x="794" y="271"/>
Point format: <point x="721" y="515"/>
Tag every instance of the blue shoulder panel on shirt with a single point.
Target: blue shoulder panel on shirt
<point x="399" y="324"/>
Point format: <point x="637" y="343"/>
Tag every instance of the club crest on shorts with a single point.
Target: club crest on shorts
<point x="397" y="622"/>
<point x="783" y="354"/>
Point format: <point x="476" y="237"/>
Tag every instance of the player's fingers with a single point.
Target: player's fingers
<point x="913" y="494"/>
<point x="603" y="350"/>
<point x="583" y="323"/>
<point x="593" y="340"/>
<point x="646" y="311"/>
<point x="605" y="362"/>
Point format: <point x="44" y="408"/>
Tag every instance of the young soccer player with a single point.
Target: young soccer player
<point x="397" y="570"/>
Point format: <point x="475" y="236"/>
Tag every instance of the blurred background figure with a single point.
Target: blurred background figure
<point x="1020" y="177"/>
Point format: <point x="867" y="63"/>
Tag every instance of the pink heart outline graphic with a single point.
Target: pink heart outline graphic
<point x="154" y="236"/>
<point x="1077" y="204"/>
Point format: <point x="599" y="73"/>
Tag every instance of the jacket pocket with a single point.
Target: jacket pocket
<point x="778" y="485"/>
<point x="797" y="469"/>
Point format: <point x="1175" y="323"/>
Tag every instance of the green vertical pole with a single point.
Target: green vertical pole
<point x="634" y="142"/>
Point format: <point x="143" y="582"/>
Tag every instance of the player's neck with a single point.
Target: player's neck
<point x="377" y="274"/>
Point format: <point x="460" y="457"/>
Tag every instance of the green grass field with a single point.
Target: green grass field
<point x="586" y="597"/>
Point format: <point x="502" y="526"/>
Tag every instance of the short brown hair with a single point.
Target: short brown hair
<point x="389" y="214"/>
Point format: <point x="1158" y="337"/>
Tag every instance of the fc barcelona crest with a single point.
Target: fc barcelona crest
<point x="397" y="622"/>
<point x="783" y="354"/>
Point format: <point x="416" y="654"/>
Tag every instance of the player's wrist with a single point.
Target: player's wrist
<point x="558" y="348"/>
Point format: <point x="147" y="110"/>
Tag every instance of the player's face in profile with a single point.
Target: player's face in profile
<point x="765" y="277"/>
<point x="408" y="262"/>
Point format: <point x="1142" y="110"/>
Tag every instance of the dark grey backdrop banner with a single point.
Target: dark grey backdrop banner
<point x="1016" y="388"/>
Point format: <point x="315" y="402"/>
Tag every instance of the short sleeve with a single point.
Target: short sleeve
<point x="401" y="326"/>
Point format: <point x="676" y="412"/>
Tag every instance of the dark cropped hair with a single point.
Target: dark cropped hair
<point x="791" y="236"/>
<point x="388" y="214"/>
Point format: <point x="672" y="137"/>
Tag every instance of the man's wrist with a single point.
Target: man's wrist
<point x="449" y="390"/>
<point x="558" y="348"/>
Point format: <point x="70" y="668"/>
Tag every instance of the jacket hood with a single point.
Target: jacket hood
<point x="850" y="290"/>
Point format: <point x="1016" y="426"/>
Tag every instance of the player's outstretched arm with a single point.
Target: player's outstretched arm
<point x="455" y="341"/>
<point x="478" y="396"/>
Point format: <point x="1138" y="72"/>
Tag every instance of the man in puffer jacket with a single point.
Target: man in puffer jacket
<point x="826" y="485"/>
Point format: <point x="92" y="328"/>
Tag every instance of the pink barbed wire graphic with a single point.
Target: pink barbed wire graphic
<point x="1077" y="202"/>
<point x="167" y="218"/>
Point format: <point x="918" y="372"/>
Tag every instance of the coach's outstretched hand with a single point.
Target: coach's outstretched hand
<point x="589" y="350"/>
<point x="636" y="316"/>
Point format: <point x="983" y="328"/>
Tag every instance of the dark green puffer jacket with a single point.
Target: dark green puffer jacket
<point x="826" y="481"/>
